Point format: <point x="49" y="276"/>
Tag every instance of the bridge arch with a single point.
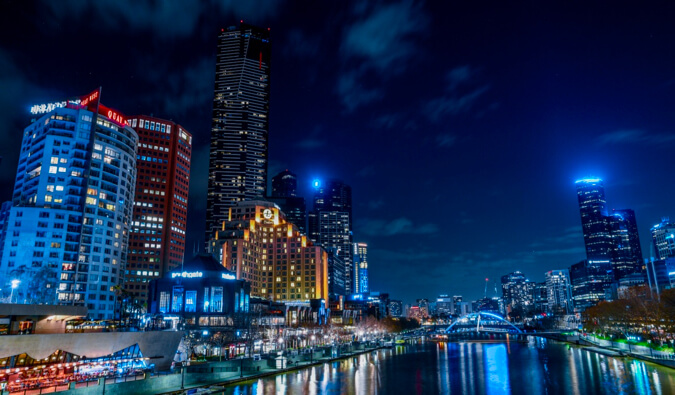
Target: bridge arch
<point x="482" y="321"/>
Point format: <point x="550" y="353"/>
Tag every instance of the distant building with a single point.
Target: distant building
<point x="423" y="305"/>
<point x="360" y="255"/>
<point x="661" y="274"/>
<point x="395" y="308"/>
<point x="330" y="223"/>
<point x="593" y="209"/>
<point x="159" y="225"/>
<point x="285" y="184"/>
<point x="559" y="291"/>
<point x="336" y="275"/>
<point x="663" y="239"/>
<point x="444" y="305"/>
<point x="517" y="292"/>
<point x="540" y="297"/>
<point x="589" y="280"/>
<point x="284" y="194"/>
<point x="626" y="253"/>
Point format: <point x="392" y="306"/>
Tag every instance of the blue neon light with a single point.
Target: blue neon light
<point x="588" y="180"/>
<point x="316" y="183"/>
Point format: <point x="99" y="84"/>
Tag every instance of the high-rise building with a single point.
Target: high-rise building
<point x="261" y="247"/>
<point x="360" y="256"/>
<point x="336" y="275"/>
<point x="444" y="305"/>
<point x="517" y="291"/>
<point x="540" y="297"/>
<point x="157" y="241"/>
<point x="330" y="223"/>
<point x="68" y="229"/>
<point x="285" y="184"/>
<point x="238" y="156"/>
<point x="594" y="222"/>
<point x="661" y="274"/>
<point x="663" y="239"/>
<point x="626" y="253"/>
<point x="395" y="308"/>
<point x="284" y="194"/>
<point x="559" y="291"/>
<point x="589" y="280"/>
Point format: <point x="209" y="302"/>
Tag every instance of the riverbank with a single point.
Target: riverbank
<point x="219" y="385"/>
<point x="613" y="349"/>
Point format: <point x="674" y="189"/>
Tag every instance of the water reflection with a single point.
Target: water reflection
<point x="536" y="367"/>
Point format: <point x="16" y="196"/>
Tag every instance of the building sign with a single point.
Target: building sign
<point x="187" y="275"/>
<point x="228" y="276"/>
<point x="114" y="115"/>
<point x="90" y="101"/>
<point x="44" y="108"/>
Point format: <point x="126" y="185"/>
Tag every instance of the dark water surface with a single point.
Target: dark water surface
<point x="538" y="367"/>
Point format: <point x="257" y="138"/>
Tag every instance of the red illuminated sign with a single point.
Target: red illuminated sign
<point x="114" y="115"/>
<point x="91" y="100"/>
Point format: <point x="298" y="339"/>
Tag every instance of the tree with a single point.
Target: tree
<point x="221" y="339"/>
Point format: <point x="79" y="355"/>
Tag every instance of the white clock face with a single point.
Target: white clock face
<point x="267" y="213"/>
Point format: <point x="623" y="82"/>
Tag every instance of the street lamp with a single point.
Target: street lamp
<point x="15" y="285"/>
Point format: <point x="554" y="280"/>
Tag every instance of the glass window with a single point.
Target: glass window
<point x="177" y="300"/>
<point x="190" y="301"/>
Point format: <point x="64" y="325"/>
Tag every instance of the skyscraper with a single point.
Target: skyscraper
<point x="559" y="289"/>
<point x="517" y="291"/>
<point x="68" y="229"/>
<point x="663" y="239"/>
<point x="626" y="253"/>
<point x="284" y="194"/>
<point x="330" y="223"/>
<point x="239" y="132"/>
<point x="157" y="241"/>
<point x="360" y="255"/>
<point x="593" y="209"/>
<point x="589" y="281"/>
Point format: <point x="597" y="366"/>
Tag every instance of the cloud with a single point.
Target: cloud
<point x="375" y="47"/>
<point x="398" y="226"/>
<point x="446" y="140"/>
<point x="634" y="136"/>
<point x="461" y="94"/>
<point x="166" y="18"/>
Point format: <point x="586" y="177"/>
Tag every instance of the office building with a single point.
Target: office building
<point x="626" y="253"/>
<point x="540" y="298"/>
<point x="444" y="305"/>
<point x="661" y="274"/>
<point x="395" y="308"/>
<point x="517" y="291"/>
<point x="594" y="222"/>
<point x="157" y="241"/>
<point x="336" y="275"/>
<point x="260" y="246"/>
<point x="284" y="194"/>
<point x="589" y="280"/>
<point x="663" y="239"/>
<point x="360" y="256"/>
<point x="238" y="156"/>
<point x="559" y="291"/>
<point x="68" y="229"/>
<point x="330" y="223"/>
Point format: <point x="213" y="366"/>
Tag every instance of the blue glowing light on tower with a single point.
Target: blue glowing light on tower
<point x="316" y="183"/>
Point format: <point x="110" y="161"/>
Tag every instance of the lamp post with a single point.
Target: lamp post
<point x="15" y="285"/>
<point x="182" y="375"/>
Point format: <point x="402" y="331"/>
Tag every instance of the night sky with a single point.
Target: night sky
<point x="461" y="126"/>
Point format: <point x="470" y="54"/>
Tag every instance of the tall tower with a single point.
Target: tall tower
<point x="626" y="252"/>
<point x="157" y="241"/>
<point x="330" y="223"/>
<point x="360" y="256"/>
<point x="285" y="184"/>
<point x="663" y="239"/>
<point x="239" y="130"/>
<point x="593" y="209"/>
<point x="284" y="194"/>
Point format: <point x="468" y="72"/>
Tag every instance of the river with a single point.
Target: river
<point x="538" y="367"/>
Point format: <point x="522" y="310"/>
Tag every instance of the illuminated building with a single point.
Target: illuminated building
<point x="239" y="153"/>
<point x="626" y="253"/>
<point x="157" y="241"/>
<point x="336" y="274"/>
<point x="540" y="297"/>
<point x="202" y="291"/>
<point x="360" y="255"/>
<point x="68" y="229"/>
<point x="444" y="305"/>
<point x="592" y="206"/>
<point x="517" y="291"/>
<point x="661" y="274"/>
<point x="330" y="223"/>
<point x="395" y="308"/>
<point x="663" y="239"/>
<point x="589" y="280"/>
<point x="284" y="194"/>
<point x="559" y="290"/>
<point x="260" y="246"/>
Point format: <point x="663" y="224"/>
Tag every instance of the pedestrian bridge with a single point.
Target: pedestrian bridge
<point x="482" y="322"/>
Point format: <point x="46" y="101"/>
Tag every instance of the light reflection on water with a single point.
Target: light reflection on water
<point x="537" y="367"/>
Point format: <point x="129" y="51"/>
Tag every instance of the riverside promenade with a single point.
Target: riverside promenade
<point x="613" y="348"/>
<point x="210" y="377"/>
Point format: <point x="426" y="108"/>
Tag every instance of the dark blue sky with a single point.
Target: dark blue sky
<point x="461" y="127"/>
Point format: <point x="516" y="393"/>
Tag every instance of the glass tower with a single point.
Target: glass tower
<point x="594" y="222"/>
<point x="239" y="130"/>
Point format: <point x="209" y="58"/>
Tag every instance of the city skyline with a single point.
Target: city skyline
<point x="553" y="101"/>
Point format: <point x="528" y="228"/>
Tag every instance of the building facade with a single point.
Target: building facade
<point x="68" y="229"/>
<point x="559" y="291"/>
<point x="626" y="253"/>
<point x="260" y="246"/>
<point x="238" y="156"/>
<point x="360" y="255"/>
<point x="157" y="241"/>
<point x="589" y="280"/>
<point x="330" y="223"/>
<point x="517" y="291"/>
<point x="663" y="239"/>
